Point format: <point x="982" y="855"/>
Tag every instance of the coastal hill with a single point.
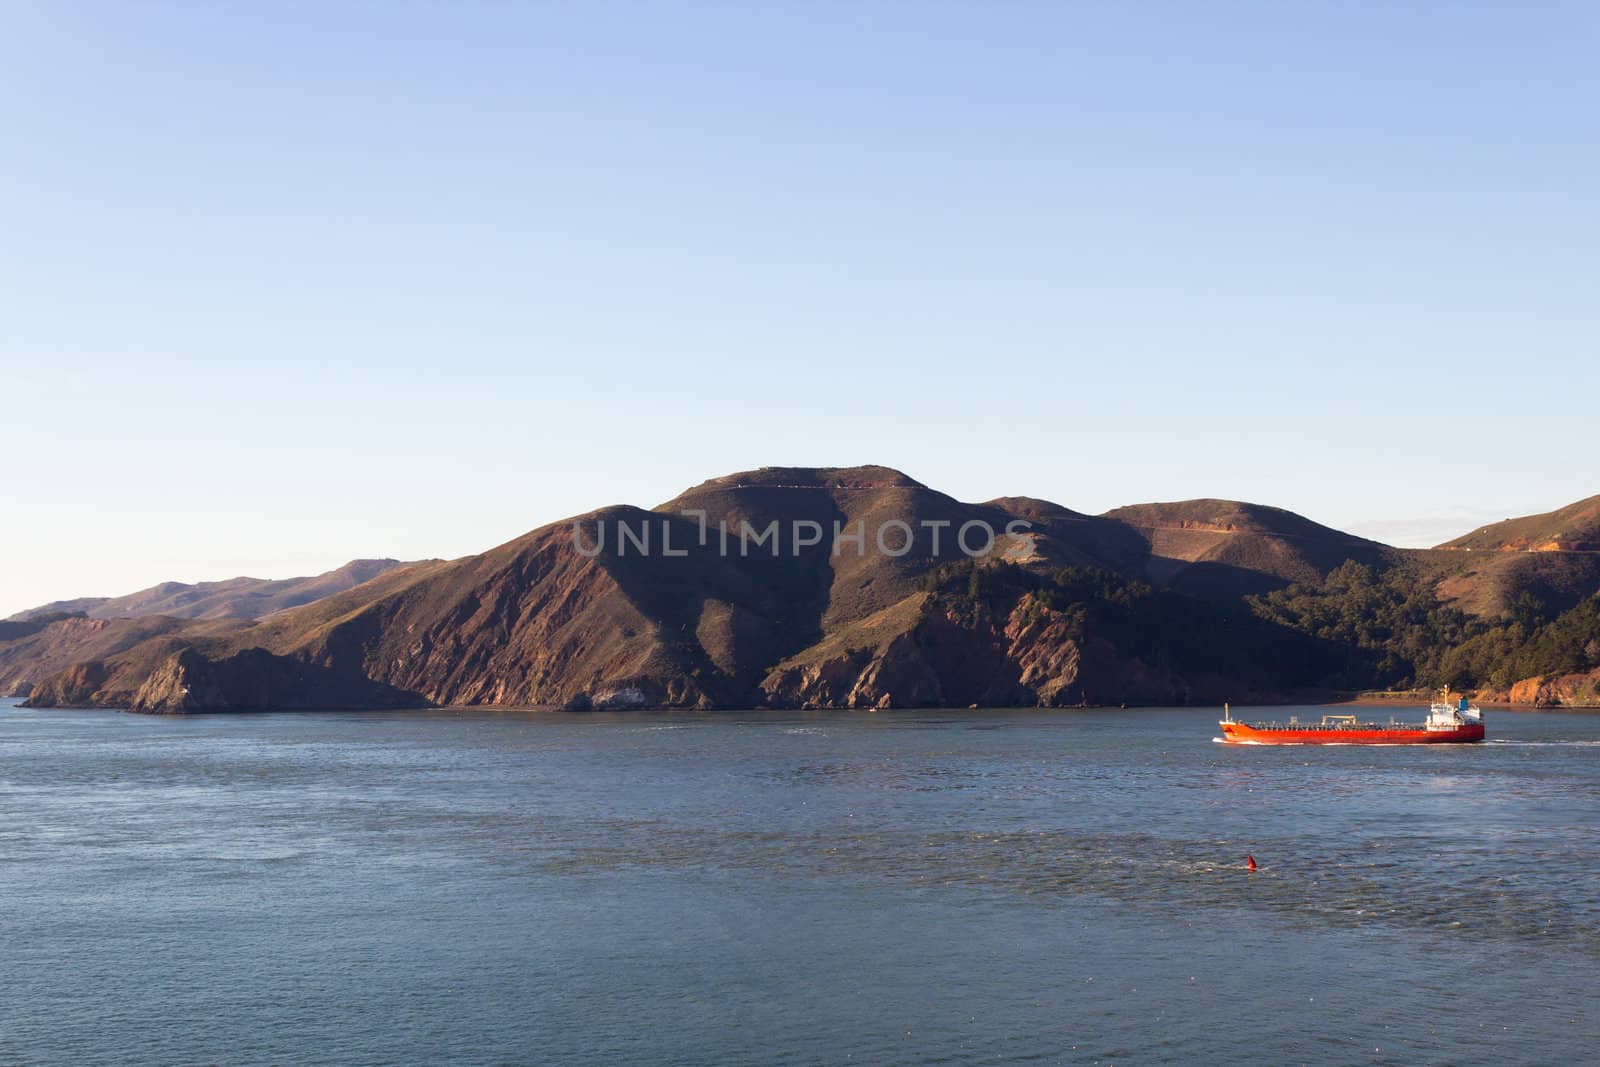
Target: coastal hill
<point x="44" y="646"/>
<point x="43" y="641"/>
<point x="735" y="593"/>
<point x="1574" y="528"/>
<point x="1550" y="560"/>
<point x="1226" y="548"/>
<point x="235" y="598"/>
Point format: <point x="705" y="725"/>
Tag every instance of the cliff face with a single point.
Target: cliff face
<point x="1580" y="690"/>
<point x="42" y="647"/>
<point x="938" y="649"/>
<point x="531" y="623"/>
<point x="77" y="686"/>
<point x="930" y="651"/>
<point x="257" y="680"/>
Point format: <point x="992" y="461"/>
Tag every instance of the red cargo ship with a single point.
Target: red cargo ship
<point x="1446" y="724"/>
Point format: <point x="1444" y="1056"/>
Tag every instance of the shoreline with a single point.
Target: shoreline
<point x="1360" y="700"/>
<point x="1418" y="697"/>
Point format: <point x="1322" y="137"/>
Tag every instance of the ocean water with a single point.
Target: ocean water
<point x="891" y="888"/>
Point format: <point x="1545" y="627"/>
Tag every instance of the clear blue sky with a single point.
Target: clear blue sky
<point x="283" y="284"/>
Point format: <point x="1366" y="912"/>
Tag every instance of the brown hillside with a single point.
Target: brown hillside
<point x="33" y="651"/>
<point x="1227" y="548"/>
<point x="235" y="598"/>
<point x="547" y="620"/>
<point x="1554" y="557"/>
<point x="1487" y="583"/>
<point x="1574" y="528"/>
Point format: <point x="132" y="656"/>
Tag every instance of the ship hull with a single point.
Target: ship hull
<point x="1240" y="733"/>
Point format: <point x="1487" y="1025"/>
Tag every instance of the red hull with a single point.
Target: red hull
<point x="1244" y="734"/>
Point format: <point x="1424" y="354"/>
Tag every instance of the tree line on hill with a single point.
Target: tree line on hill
<point x="1362" y="627"/>
<point x="1416" y="641"/>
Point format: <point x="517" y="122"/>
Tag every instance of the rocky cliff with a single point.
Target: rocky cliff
<point x="1576" y="690"/>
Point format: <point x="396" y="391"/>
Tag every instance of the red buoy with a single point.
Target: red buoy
<point x="1250" y="862"/>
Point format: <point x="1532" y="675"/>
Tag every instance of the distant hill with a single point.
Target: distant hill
<point x="1574" y="528"/>
<point x="42" y="641"/>
<point x="1227" y="548"/>
<point x="234" y="598"/>
<point x="1553" y="558"/>
<point x="736" y="594"/>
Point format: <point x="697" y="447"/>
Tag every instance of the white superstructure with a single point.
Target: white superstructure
<point x="1444" y="715"/>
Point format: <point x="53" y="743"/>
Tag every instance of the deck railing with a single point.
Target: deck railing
<point x="1390" y="725"/>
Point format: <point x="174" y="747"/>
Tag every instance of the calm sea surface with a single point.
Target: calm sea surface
<point x="897" y="888"/>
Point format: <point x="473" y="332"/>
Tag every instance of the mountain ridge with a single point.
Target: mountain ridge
<point x="748" y="589"/>
<point x="229" y="598"/>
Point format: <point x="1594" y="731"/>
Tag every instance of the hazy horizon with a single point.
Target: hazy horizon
<point x="295" y="285"/>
